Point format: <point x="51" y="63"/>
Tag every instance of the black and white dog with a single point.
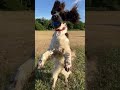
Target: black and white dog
<point x="59" y="48"/>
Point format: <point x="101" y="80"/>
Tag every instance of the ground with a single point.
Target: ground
<point x="42" y="39"/>
<point x="102" y="42"/>
<point x="77" y="78"/>
<point x="17" y="42"/>
<point x="102" y="45"/>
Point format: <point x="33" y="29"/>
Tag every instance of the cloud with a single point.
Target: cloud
<point x="76" y="1"/>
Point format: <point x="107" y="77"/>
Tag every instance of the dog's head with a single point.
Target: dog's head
<point x="60" y="15"/>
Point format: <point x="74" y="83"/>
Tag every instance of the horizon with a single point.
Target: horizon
<point x="40" y="6"/>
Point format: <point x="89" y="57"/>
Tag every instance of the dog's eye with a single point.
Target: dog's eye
<point x="53" y="12"/>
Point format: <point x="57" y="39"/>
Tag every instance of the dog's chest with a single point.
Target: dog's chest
<point x="59" y="41"/>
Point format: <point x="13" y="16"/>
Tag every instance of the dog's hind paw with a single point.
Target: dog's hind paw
<point x="53" y="88"/>
<point x="66" y="84"/>
<point x="40" y="64"/>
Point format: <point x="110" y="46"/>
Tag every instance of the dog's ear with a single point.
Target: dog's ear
<point x="58" y="6"/>
<point x="62" y="6"/>
<point x="73" y="15"/>
<point x="55" y="6"/>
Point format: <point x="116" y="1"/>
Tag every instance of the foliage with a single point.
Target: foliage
<point x="2" y="4"/>
<point x="103" y="5"/>
<point x="70" y="25"/>
<point x="79" y="25"/>
<point x="39" y="26"/>
<point x="47" y="24"/>
<point x="14" y="5"/>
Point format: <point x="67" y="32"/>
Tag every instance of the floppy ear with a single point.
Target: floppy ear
<point x="62" y="5"/>
<point x="55" y="6"/>
<point x="73" y="15"/>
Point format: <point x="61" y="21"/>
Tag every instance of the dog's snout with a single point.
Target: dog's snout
<point x="55" y="17"/>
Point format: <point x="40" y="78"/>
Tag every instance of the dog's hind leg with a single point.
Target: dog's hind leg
<point x="66" y="74"/>
<point x="56" y="72"/>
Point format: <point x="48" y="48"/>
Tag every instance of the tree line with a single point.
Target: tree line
<point x="102" y="4"/>
<point x="14" y="5"/>
<point x="45" y="24"/>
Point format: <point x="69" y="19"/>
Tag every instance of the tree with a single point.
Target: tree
<point x="69" y="25"/>
<point x="39" y="26"/>
<point x="13" y="5"/>
<point x="79" y="25"/>
<point x="2" y="4"/>
<point x="45" y="22"/>
<point x="17" y="5"/>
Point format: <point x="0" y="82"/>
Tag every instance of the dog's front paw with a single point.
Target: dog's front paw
<point x="40" y="64"/>
<point x="67" y="67"/>
<point x="61" y="50"/>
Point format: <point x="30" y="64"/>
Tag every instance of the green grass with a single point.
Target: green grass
<point x="107" y="76"/>
<point x="76" y="79"/>
<point x="4" y="75"/>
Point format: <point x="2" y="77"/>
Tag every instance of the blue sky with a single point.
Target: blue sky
<point x="43" y="8"/>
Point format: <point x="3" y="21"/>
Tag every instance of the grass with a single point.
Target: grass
<point x="76" y="79"/>
<point x="17" y="42"/>
<point x="106" y="77"/>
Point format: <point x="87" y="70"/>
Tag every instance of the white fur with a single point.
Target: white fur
<point x="59" y="42"/>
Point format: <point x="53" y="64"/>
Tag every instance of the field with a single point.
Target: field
<point x="102" y="50"/>
<point x="42" y="40"/>
<point x="17" y="42"/>
<point x="77" y="78"/>
<point x="102" y="43"/>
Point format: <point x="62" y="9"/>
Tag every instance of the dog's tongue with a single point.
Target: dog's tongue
<point x="56" y="24"/>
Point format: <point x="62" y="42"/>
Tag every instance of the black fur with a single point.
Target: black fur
<point x="67" y="35"/>
<point x="66" y="15"/>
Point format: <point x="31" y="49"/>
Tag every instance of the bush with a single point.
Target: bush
<point x="45" y="24"/>
<point x="70" y="25"/>
<point x="80" y="26"/>
<point x="50" y="27"/>
<point x="39" y="26"/>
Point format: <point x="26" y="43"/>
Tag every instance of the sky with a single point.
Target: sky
<point x="43" y="8"/>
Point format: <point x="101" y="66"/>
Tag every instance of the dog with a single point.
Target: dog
<point x="59" y="48"/>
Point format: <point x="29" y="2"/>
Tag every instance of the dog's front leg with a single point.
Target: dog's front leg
<point x="43" y="58"/>
<point x="67" y="62"/>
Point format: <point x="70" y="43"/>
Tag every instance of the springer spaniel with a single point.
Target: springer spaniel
<point x="59" y="48"/>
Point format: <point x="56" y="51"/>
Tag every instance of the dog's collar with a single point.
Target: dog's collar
<point x="60" y="29"/>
